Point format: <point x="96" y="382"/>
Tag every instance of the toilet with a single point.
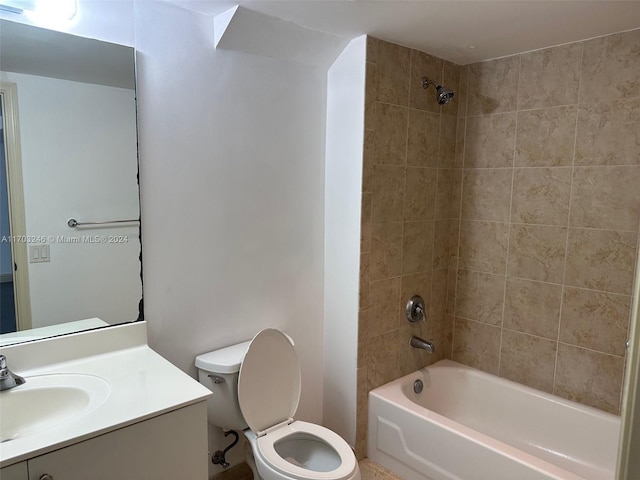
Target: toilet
<point x="256" y="388"/>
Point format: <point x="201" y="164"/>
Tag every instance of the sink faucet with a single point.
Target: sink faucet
<point x="417" y="342"/>
<point x="8" y="379"/>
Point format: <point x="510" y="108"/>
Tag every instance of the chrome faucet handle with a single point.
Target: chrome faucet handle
<point x="415" y="309"/>
<point x="8" y="379"/>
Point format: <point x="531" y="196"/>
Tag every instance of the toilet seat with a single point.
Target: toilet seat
<point x="269" y="381"/>
<point x="268" y="394"/>
<point x="267" y="449"/>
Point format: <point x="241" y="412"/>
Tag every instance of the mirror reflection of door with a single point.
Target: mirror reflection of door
<point x="15" y="308"/>
<point x="7" y="302"/>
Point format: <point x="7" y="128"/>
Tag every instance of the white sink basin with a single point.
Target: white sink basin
<point x="46" y="401"/>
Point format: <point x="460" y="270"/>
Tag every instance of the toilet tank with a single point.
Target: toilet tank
<point x="218" y="371"/>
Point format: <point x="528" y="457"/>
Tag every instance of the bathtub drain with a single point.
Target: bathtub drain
<point x="418" y="386"/>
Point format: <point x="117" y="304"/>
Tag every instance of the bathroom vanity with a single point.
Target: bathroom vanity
<point x="101" y="405"/>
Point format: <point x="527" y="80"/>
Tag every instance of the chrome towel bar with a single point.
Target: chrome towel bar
<point x="72" y="222"/>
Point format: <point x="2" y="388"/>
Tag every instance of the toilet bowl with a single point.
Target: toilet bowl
<point x="256" y="388"/>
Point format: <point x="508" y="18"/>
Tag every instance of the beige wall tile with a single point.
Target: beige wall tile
<point x="448" y="193"/>
<point x="611" y="68"/>
<point x="372" y="49"/>
<point x="451" y="79"/>
<point x="417" y="246"/>
<point x="424" y="65"/>
<point x="367" y="160"/>
<point x="532" y="307"/>
<point x="414" y="284"/>
<point x="420" y="194"/>
<point x="411" y="359"/>
<point x="443" y="338"/>
<point x="483" y="246"/>
<point x="365" y="223"/>
<point x="550" y="77"/>
<point x="443" y="256"/>
<point x="452" y="280"/>
<point x="370" y="95"/>
<point x="454" y="243"/>
<point x="608" y="133"/>
<point x="528" y="360"/>
<point x="601" y="260"/>
<point x="393" y="66"/>
<point x="476" y="344"/>
<point x="493" y="86"/>
<point x="447" y="156"/>
<point x="386" y="250"/>
<point x="391" y="134"/>
<point x="423" y="140"/>
<point x="385" y="295"/>
<point x="362" y="395"/>
<point x="490" y="140"/>
<point x="363" y="344"/>
<point x="460" y="140"/>
<point x="537" y="252"/>
<point x="606" y="197"/>
<point x="463" y="92"/>
<point x="382" y="362"/>
<point x="589" y="377"/>
<point x="480" y="297"/>
<point x="545" y="138"/>
<point x="438" y="305"/>
<point x="365" y="267"/>
<point x="486" y="194"/>
<point x="541" y="195"/>
<point x="387" y="201"/>
<point x="595" y="320"/>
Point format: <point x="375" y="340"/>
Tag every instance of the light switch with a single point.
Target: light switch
<point x="38" y="253"/>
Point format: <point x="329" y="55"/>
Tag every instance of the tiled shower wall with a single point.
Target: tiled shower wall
<point x="409" y="156"/>
<point x="513" y="211"/>
<point x="549" y="152"/>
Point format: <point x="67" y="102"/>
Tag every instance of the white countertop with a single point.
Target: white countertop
<point x="142" y="385"/>
<point x="51" y="331"/>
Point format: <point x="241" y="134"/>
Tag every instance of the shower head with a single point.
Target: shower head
<point x="444" y="94"/>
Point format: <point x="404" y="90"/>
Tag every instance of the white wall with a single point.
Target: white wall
<point x="78" y="151"/>
<point x="232" y="185"/>
<point x="343" y="187"/>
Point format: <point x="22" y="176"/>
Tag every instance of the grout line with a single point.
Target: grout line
<point x="566" y="246"/>
<point x="526" y="167"/>
<point x="513" y="175"/>
<point x="473" y="220"/>
<point x="464" y="82"/>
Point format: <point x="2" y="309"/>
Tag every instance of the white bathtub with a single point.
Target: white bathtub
<point x="470" y="425"/>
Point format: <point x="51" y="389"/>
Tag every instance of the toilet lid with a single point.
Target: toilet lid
<point x="269" y="380"/>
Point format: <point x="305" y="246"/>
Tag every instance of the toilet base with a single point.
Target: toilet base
<point x="251" y="461"/>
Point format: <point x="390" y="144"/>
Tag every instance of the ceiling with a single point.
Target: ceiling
<point x="460" y="31"/>
<point x="47" y="53"/>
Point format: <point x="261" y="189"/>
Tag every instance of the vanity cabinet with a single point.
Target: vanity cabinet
<point x="15" y="472"/>
<point x="167" y="447"/>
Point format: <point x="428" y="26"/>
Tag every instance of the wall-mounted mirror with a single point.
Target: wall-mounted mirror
<point x="69" y="151"/>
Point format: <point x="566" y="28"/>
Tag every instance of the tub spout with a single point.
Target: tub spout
<point x="417" y="342"/>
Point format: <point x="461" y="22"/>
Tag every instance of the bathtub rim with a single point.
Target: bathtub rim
<point x="392" y="393"/>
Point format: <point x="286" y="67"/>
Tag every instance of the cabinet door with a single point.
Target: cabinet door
<point x="168" y="447"/>
<point x="15" y="472"/>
